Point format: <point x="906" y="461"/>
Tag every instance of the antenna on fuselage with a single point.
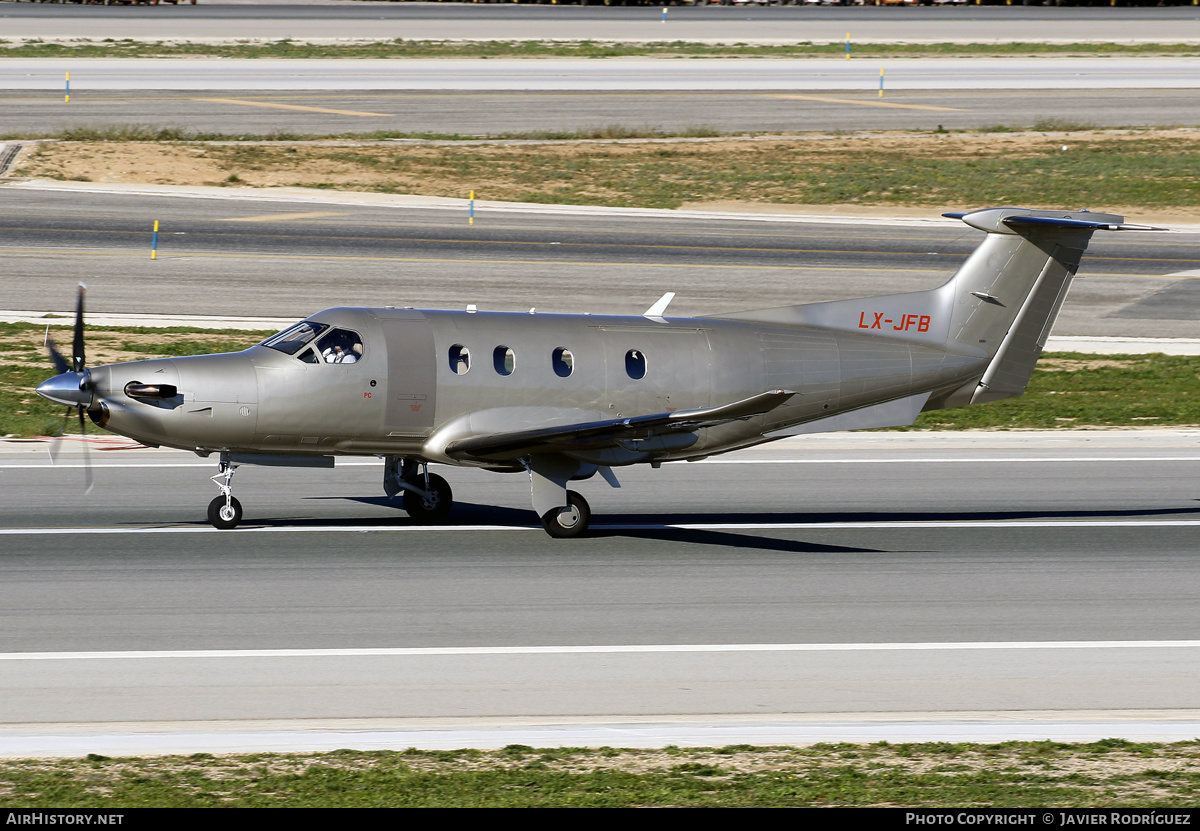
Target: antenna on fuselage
<point x="655" y="312"/>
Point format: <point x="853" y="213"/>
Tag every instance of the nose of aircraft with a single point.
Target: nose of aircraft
<point x="71" y="388"/>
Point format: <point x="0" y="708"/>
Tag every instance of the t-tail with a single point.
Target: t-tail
<point x="1007" y="295"/>
<point x="998" y="308"/>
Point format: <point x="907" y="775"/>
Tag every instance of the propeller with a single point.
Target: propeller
<point x="71" y="386"/>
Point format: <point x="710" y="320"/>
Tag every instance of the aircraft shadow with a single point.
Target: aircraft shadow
<point x="755" y="540"/>
<point x="658" y="526"/>
<point x="714" y="518"/>
<point x="468" y="513"/>
<point x="471" y="513"/>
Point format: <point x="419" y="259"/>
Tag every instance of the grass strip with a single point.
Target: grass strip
<point x="1151" y="169"/>
<point x="1107" y="774"/>
<point x="399" y="48"/>
<point x="1068" y="390"/>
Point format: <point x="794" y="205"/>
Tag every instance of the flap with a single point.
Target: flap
<point x="604" y="433"/>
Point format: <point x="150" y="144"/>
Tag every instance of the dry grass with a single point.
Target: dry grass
<point x="1100" y="169"/>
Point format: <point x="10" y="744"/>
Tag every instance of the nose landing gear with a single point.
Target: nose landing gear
<point x="225" y="512"/>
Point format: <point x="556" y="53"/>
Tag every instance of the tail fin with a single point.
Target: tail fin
<point x="1008" y="293"/>
<point x="999" y="307"/>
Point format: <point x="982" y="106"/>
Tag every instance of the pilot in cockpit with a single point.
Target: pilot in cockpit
<point x="345" y="349"/>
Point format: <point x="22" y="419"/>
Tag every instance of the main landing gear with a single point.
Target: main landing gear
<point x="564" y="513"/>
<point x="569" y="521"/>
<point x="427" y="496"/>
<point x="225" y="512"/>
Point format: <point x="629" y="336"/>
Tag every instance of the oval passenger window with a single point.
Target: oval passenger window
<point x="504" y="360"/>
<point x="635" y="364"/>
<point x="460" y="359"/>
<point x="564" y="362"/>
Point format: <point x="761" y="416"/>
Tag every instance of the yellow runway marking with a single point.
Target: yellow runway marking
<point x="281" y="217"/>
<point x="866" y="103"/>
<point x="201" y="255"/>
<point x="289" y="107"/>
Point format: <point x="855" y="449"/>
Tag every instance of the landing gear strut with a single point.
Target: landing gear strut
<point x="225" y="512"/>
<point x="564" y="513"/>
<point x="427" y="496"/>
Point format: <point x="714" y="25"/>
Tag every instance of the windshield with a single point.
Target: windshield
<point x="292" y="340"/>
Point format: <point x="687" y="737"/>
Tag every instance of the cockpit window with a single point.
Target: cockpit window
<point x="292" y="340"/>
<point x="340" y="346"/>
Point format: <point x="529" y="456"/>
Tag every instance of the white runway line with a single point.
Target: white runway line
<point x="435" y="651"/>
<point x="718" y="730"/>
<point x="233" y="75"/>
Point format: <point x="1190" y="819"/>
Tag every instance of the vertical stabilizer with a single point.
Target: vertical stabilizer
<point x="1009" y="291"/>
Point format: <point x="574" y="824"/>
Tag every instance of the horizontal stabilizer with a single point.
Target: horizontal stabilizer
<point x="1061" y="222"/>
<point x="604" y="433"/>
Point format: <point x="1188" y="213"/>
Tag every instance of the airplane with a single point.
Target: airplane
<point x="563" y="397"/>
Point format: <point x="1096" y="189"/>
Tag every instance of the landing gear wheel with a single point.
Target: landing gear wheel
<point x="431" y="509"/>
<point x="224" y="516"/>
<point x="571" y="521"/>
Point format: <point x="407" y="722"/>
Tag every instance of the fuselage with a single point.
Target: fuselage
<point x="419" y="380"/>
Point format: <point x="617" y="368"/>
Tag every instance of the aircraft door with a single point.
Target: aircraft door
<point x="657" y="370"/>
<point x="322" y="393"/>
<point x="411" y="377"/>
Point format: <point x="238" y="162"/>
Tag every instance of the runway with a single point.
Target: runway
<point x="804" y="108"/>
<point x="439" y="21"/>
<point x="496" y="95"/>
<point x="271" y="253"/>
<point x="877" y="582"/>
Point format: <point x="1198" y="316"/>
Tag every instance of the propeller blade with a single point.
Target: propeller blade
<point x="77" y="347"/>
<point x="87" y="459"/>
<point x="60" y="363"/>
<point x="57" y="443"/>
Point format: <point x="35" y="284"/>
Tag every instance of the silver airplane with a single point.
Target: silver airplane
<point x="564" y="397"/>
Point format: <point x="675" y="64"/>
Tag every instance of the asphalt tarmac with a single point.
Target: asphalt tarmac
<point x="872" y="584"/>
<point x="495" y="97"/>
<point x="330" y="20"/>
<point x="280" y="254"/>
<point x="798" y="108"/>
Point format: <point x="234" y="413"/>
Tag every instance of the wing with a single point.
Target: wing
<point x="600" y="434"/>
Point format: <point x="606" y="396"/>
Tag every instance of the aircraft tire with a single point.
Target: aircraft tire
<point x="430" y="511"/>
<point x="222" y="518"/>
<point x="571" y="521"/>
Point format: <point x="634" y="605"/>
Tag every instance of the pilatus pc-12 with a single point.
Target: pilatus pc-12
<point x="563" y="397"/>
